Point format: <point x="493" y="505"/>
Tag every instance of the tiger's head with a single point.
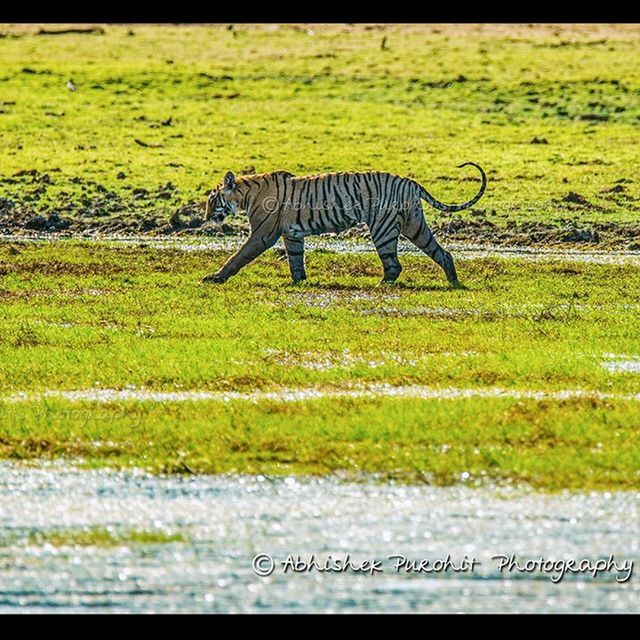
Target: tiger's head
<point x="222" y="201"/>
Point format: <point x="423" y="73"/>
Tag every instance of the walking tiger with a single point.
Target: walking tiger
<point x="280" y="204"/>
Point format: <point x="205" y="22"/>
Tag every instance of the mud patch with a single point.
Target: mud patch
<point x="35" y="201"/>
<point x="564" y="232"/>
<point x="575" y="198"/>
<point x="50" y="203"/>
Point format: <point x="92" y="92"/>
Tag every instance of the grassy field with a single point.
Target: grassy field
<point x="161" y="112"/>
<point x="81" y="316"/>
<point x="527" y="374"/>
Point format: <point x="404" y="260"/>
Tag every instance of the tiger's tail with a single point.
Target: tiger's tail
<point x="452" y="208"/>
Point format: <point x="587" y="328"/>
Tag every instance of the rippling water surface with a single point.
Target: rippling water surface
<point x="228" y="520"/>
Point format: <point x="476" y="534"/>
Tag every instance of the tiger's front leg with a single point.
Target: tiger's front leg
<point x="295" y="254"/>
<point x="249" y="251"/>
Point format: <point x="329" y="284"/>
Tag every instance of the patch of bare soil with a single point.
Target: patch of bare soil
<point x="536" y="233"/>
<point x="28" y="206"/>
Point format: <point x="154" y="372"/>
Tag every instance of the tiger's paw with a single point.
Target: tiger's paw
<point x="215" y="278"/>
<point x="450" y="270"/>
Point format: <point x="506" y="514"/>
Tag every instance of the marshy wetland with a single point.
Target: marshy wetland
<point x="156" y="432"/>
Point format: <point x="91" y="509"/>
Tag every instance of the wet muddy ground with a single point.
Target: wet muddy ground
<point x="340" y="244"/>
<point x="225" y="521"/>
<point x="44" y="203"/>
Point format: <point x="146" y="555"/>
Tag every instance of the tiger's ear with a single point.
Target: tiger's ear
<point x="230" y="181"/>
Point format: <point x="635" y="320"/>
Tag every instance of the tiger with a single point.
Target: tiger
<point x="280" y="204"/>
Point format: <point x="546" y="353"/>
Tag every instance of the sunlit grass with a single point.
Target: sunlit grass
<point x="85" y="315"/>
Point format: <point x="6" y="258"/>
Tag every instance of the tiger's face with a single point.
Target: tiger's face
<point x="222" y="200"/>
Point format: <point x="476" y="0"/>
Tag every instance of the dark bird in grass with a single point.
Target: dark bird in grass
<point x="71" y="86"/>
<point x="383" y="45"/>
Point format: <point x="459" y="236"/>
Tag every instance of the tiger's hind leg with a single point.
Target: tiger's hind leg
<point x="417" y="231"/>
<point x="295" y="254"/>
<point x="386" y="243"/>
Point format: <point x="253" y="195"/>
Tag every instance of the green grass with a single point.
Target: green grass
<point x="571" y="444"/>
<point x="328" y="100"/>
<point x="80" y="315"/>
<point x="75" y="316"/>
<point x="95" y="537"/>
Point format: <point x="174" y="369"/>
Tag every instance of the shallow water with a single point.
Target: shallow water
<point x="358" y="245"/>
<point x="228" y="520"/>
<point x="622" y="364"/>
<point x="314" y="393"/>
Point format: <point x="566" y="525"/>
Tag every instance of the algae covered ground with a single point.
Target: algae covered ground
<point x="159" y="113"/>
<point x="119" y="356"/>
<point x="91" y="536"/>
